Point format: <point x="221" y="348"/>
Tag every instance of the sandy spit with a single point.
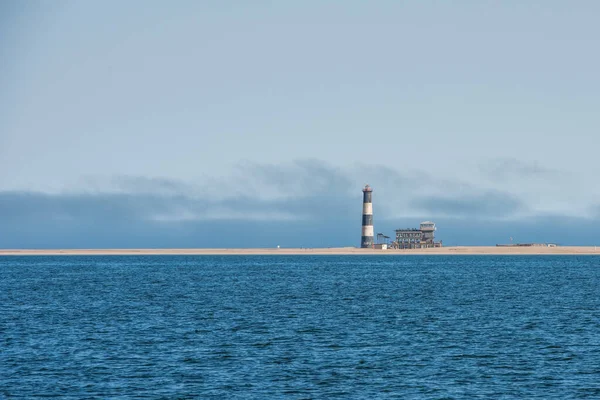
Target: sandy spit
<point x="459" y="250"/>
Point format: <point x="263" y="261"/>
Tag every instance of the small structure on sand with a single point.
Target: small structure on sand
<point x="413" y="238"/>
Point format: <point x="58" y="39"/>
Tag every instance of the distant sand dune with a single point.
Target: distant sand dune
<point x="460" y="250"/>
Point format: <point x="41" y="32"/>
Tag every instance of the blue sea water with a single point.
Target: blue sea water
<point x="300" y="327"/>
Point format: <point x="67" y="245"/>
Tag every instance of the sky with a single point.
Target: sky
<point x="256" y="124"/>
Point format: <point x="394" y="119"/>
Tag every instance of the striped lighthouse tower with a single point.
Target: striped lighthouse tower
<point x="366" y="240"/>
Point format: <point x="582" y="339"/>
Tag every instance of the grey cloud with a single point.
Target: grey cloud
<point x="512" y="168"/>
<point x="312" y="191"/>
<point x="302" y="189"/>
<point x="406" y="179"/>
<point x="320" y="202"/>
<point x="491" y="204"/>
<point x="250" y="181"/>
<point x="299" y="177"/>
<point x="36" y="206"/>
<point x="595" y="211"/>
<point x="34" y="220"/>
<point x="138" y="184"/>
<point x="140" y="206"/>
<point x="417" y="180"/>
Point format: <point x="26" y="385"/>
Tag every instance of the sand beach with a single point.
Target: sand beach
<point x="457" y="250"/>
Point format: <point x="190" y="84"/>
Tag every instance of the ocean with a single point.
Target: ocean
<point x="300" y="327"/>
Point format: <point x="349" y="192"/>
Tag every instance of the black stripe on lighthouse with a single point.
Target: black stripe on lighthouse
<point x="367" y="197"/>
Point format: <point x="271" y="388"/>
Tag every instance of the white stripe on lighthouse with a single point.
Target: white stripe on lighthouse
<point x="368" y="208"/>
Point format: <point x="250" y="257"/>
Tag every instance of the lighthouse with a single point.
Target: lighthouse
<point x="366" y="239"/>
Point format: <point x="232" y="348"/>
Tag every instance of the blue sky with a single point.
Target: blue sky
<point x="237" y="124"/>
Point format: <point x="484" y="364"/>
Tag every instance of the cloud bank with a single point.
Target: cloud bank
<point x="301" y="203"/>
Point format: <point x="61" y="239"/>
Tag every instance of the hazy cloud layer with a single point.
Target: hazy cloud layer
<point x="515" y="169"/>
<point x="302" y="189"/>
<point x="492" y="205"/>
<point x="33" y="220"/>
<point x="313" y="199"/>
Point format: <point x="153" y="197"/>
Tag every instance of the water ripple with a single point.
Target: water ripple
<point x="299" y="327"/>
